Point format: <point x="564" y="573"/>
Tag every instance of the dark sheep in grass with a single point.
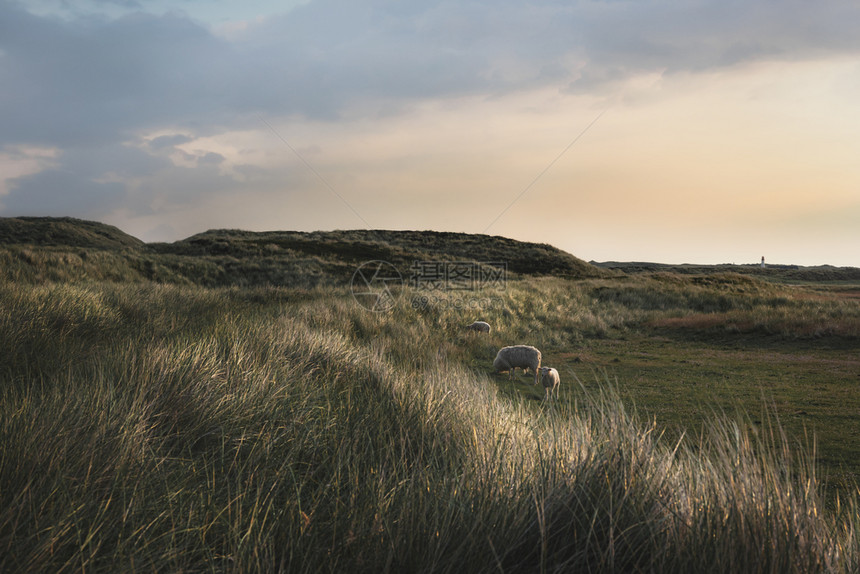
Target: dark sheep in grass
<point x="479" y="326"/>
<point x="522" y="356"/>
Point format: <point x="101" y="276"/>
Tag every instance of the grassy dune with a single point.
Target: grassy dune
<point x="39" y="249"/>
<point x="175" y="427"/>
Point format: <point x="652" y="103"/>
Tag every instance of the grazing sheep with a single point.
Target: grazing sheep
<point x="522" y="356"/>
<point x="550" y="380"/>
<point x="479" y="326"/>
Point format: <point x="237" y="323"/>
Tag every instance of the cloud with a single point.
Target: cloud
<point x="96" y="182"/>
<point x="90" y="81"/>
<point x="61" y="193"/>
<point x="211" y="158"/>
<point x="127" y="100"/>
<point x="169" y="141"/>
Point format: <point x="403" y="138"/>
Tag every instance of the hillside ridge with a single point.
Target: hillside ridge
<point x="396" y="247"/>
<point x="55" y="249"/>
<point x="773" y="271"/>
<point x="64" y="232"/>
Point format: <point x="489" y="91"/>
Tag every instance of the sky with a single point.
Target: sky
<point x="691" y="131"/>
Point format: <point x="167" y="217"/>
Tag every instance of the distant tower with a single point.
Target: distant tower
<point x="762" y="261"/>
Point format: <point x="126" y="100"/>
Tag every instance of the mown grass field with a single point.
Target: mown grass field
<point x="171" y="427"/>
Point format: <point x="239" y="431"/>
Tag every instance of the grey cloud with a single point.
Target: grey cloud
<point x="329" y="53"/>
<point x="182" y="186"/>
<point x="91" y="82"/>
<point x="84" y="182"/>
<point x="62" y="193"/>
<point x="124" y="3"/>
<point x="211" y="158"/>
<point x="81" y="186"/>
<point x="88" y="85"/>
<point x="121" y="160"/>
<point x="162" y="142"/>
<point x="673" y="37"/>
<point x="252" y="172"/>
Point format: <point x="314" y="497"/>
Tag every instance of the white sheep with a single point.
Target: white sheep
<point x="551" y="382"/>
<point x="522" y="356"/>
<point x="479" y="326"/>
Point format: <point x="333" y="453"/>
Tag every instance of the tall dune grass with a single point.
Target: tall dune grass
<point x="171" y="428"/>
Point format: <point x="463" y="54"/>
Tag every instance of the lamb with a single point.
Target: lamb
<point x="550" y="380"/>
<point x="522" y="356"/>
<point x="479" y="326"/>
